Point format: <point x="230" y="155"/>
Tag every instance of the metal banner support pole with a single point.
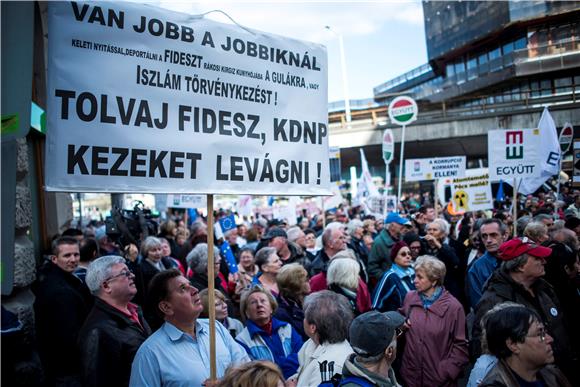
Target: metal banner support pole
<point x="399" y="187"/>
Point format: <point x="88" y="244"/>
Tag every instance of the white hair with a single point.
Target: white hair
<point x="343" y="272"/>
<point x="100" y="270"/>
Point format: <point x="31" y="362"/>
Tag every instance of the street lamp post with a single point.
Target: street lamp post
<point x="344" y="78"/>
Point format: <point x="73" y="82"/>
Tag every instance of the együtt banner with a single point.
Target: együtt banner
<point x="513" y="153"/>
<point x="142" y="99"/>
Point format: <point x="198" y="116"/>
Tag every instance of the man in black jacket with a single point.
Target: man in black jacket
<point x="115" y="328"/>
<point x="61" y="307"/>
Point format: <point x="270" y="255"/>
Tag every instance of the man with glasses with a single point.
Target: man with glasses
<point x="115" y="328"/>
<point x="519" y="279"/>
<point x="518" y="338"/>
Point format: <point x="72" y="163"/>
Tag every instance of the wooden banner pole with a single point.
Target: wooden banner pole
<point x="211" y="288"/>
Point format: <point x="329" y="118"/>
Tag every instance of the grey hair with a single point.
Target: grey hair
<point x="149" y="243"/>
<point x="442" y="224"/>
<point x="196" y="227"/>
<point x="327" y="234"/>
<point x="542" y="217"/>
<point x="434" y="268"/>
<point x="353" y="225"/>
<point x="515" y="264"/>
<point x="263" y="256"/>
<point x="521" y="224"/>
<point x="331" y="313"/>
<point x="343" y="272"/>
<point x="535" y="230"/>
<point x="346" y="253"/>
<point x="100" y="270"/>
<point x="197" y="258"/>
<point x="294" y="233"/>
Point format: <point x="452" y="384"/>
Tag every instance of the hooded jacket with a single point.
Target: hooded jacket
<point x="353" y="375"/>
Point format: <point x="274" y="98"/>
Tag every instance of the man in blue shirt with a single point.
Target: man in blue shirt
<point x="178" y="353"/>
<point x="493" y="234"/>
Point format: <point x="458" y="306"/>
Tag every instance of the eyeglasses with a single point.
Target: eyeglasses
<point x="541" y="334"/>
<point x="404" y="253"/>
<point x="399" y="332"/>
<point x="126" y="273"/>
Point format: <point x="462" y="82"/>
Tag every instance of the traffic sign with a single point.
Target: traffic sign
<point x="566" y="136"/>
<point x="403" y="110"/>
<point x="388" y="146"/>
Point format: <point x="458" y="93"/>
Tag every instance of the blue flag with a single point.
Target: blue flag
<point x="227" y="223"/>
<point x="500" y="197"/>
<point x="227" y="253"/>
<point x="270" y="200"/>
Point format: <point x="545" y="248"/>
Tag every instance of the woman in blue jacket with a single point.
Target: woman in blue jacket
<point x="265" y="337"/>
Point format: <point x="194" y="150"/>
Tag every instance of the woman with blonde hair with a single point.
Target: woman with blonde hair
<point x="294" y="286"/>
<point x="253" y="374"/>
<point x="234" y="326"/>
<point x="436" y="348"/>
<point x="265" y="337"/>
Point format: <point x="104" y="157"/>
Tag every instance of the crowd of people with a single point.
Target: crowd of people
<point x="422" y="297"/>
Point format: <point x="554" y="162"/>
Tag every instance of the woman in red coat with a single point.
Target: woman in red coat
<point x="436" y="349"/>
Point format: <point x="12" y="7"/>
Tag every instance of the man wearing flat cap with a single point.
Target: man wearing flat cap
<point x="519" y="279"/>
<point x="373" y="337"/>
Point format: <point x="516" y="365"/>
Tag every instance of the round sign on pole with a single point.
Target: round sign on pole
<point x="388" y="146"/>
<point x="403" y="110"/>
<point x="565" y="139"/>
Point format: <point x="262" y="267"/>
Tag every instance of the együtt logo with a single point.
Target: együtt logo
<point x="514" y="140"/>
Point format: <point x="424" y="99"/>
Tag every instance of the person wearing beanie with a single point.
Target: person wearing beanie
<point x="396" y="282"/>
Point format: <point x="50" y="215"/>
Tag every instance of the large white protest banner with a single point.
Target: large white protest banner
<point x="434" y="168"/>
<point x="142" y="99"/>
<point x="513" y="153"/>
<point x="472" y="192"/>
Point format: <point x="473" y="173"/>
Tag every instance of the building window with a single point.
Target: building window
<point x="450" y="70"/>
<point x="520" y="44"/>
<point x="495" y="62"/>
<point x="563" y="85"/>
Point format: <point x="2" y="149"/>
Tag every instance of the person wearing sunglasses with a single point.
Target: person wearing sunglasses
<point x="396" y="282"/>
<point x="519" y="279"/>
<point x="519" y="339"/>
<point x="115" y="327"/>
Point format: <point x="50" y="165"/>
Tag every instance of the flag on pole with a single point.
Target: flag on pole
<point x="226" y="252"/>
<point x="550" y="154"/>
<point x="366" y="187"/>
<point x="227" y="223"/>
<point x="500" y="197"/>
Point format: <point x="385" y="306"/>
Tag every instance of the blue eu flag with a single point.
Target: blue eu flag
<point x="227" y="223"/>
<point x="227" y="253"/>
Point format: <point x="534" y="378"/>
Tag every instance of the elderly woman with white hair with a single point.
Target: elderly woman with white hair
<point x="436" y="348"/>
<point x="343" y="278"/>
<point x="437" y="245"/>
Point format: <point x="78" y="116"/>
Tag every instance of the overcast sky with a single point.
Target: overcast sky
<point x="382" y="39"/>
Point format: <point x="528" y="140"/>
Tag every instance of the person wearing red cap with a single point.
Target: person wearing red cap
<point x="519" y="279"/>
